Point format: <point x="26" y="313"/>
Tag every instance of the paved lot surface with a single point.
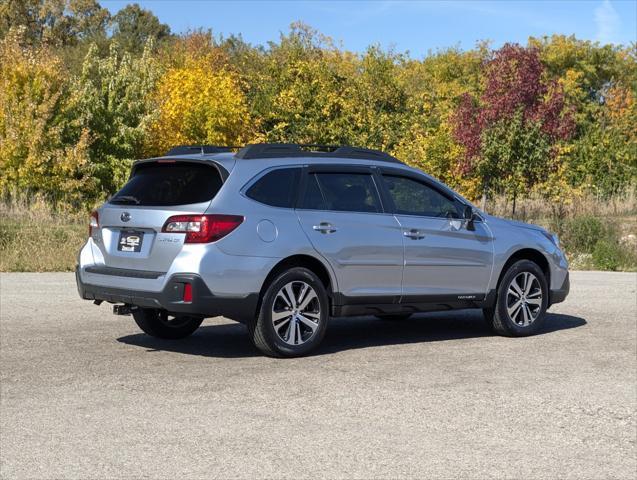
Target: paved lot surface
<point x="85" y="395"/>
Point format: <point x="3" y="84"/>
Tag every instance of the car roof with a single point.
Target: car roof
<point x="229" y="160"/>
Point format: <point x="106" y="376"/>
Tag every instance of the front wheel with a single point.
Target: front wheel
<point x="521" y="302"/>
<point x="293" y="315"/>
<point x="161" y="324"/>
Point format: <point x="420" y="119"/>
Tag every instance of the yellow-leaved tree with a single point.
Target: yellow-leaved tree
<point x="43" y="149"/>
<point x="199" y="103"/>
<point x="434" y="87"/>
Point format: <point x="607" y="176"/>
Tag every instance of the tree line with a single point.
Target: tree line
<point x="83" y="93"/>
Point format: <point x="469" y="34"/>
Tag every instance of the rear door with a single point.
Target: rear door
<point x="341" y="213"/>
<point x="130" y="223"/>
<point x="443" y="259"/>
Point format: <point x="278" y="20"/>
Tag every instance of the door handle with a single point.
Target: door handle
<point x="414" y="234"/>
<point x="324" y="227"/>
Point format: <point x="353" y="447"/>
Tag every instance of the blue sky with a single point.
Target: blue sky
<point x="407" y="25"/>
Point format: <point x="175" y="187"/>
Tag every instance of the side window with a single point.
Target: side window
<point x="412" y="197"/>
<point x="276" y="188"/>
<point x="346" y="192"/>
<point x="313" y="199"/>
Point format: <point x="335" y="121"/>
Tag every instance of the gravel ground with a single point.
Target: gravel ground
<point x="85" y="395"/>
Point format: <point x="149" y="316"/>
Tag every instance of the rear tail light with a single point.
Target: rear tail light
<point x="202" y="228"/>
<point x="93" y="223"/>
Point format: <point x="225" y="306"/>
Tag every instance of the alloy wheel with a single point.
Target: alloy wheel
<point x="296" y="313"/>
<point x="524" y="299"/>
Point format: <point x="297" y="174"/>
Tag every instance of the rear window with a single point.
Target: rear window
<point x="276" y="188"/>
<point x="166" y="184"/>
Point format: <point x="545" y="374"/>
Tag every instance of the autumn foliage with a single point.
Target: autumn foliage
<point x="198" y="104"/>
<point x="511" y="132"/>
<point x="77" y="105"/>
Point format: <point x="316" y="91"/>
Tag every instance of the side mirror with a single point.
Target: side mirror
<point x="469" y="217"/>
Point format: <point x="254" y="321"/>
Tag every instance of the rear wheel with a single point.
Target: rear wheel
<point x="161" y="324"/>
<point x="522" y="301"/>
<point x="293" y="315"/>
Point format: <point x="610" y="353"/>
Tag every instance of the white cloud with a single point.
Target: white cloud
<point x="608" y="23"/>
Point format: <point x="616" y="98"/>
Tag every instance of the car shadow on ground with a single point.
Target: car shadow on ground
<point x="231" y="340"/>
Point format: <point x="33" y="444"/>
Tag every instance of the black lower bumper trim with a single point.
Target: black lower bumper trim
<point x="171" y="298"/>
<point x="123" y="272"/>
<point x="559" y="295"/>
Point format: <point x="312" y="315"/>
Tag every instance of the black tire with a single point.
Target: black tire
<point x="394" y="317"/>
<point x="498" y="317"/>
<point x="157" y="323"/>
<point x="261" y="329"/>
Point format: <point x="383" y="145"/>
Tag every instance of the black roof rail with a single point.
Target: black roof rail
<point x="198" y="149"/>
<point x="283" y="150"/>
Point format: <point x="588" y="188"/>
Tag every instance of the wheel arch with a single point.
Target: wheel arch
<point x="531" y="254"/>
<point x="301" y="260"/>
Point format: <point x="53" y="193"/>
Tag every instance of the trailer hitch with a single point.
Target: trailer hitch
<point x="125" y="309"/>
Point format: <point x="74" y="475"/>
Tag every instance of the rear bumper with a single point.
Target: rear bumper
<point x="560" y="294"/>
<point x="204" y="303"/>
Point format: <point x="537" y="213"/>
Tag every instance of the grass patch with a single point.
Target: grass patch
<point x="36" y="238"/>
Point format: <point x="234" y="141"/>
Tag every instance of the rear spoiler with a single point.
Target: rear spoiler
<point x="200" y="149"/>
<point x="223" y="173"/>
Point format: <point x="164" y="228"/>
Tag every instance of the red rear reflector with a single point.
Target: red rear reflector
<point x="202" y="228"/>
<point x="187" y="292"/>
<point x="93" y="222"/>
<point x="166" y="161"/>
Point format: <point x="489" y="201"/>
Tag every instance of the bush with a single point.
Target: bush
<point x="607" y="255"/>
<point x="581" y="234"/>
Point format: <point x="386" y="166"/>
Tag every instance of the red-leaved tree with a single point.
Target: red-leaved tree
<point x="510" y="132"/>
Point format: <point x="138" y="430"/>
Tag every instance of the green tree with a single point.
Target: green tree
<point x="307" y="90"/>
<point x="134" y="26"/>
<point x="604" y="157"/>
<point x="300" y="91"/>
<point x="113" y="104"/>
<point x="56" y="22"/>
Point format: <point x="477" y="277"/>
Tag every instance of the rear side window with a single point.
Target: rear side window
<point x="276" y="188"/>
<point x="313" y="199"/>
<point x="166" y="184"/>
<point x="345" y="192"/>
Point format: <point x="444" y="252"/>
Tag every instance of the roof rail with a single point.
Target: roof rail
<point x="283" y="150"/>
<point x="200" y="149"/>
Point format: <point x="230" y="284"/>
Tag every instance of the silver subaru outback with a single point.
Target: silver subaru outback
<point x="282" y="237"/>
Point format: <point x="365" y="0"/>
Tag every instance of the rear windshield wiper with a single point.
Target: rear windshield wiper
<point x="128" y="199"/>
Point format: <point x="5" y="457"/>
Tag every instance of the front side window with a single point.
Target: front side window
<point x="345" y="192"/>
<point x="412" y="197"/>
<point x="276" y="188"/>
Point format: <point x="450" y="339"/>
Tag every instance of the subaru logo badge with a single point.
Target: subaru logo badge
<point x="125" y="217"/>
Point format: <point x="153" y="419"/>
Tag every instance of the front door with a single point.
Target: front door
<point x="443" y="259"/>
<point x="343" y="217"/>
